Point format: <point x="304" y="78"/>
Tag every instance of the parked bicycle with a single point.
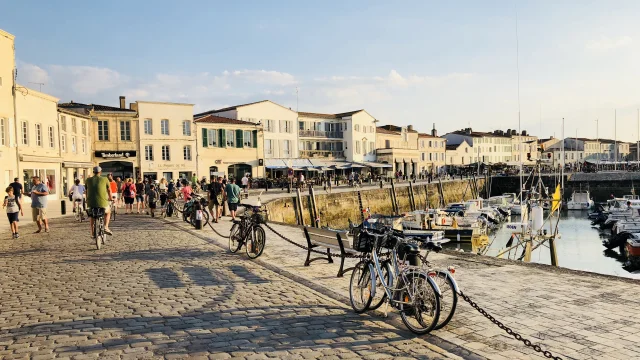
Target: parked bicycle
<point x="246" y="230"/>
<point x="407" y="286"/>
<point x="190" y="210"/>
<point x="97" y="231"/>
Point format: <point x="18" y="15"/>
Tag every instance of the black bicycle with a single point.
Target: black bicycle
<point x="190" y="210"/>
<point x="246" y="230"/>
<point x="97" y="231"/>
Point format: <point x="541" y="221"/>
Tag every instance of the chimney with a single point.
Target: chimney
<point x="514" y="132"/>
<point x="410" y="128"/>
<point x="123" y="104"/>
<point x="434" y="132"/>
<point x="508" y="131"/>
<point x="524" y="132"/>
<point x="133" y="106"/>
<point x="468" y="131"/>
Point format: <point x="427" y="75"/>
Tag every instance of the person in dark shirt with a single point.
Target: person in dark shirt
<point x="140" y="195"/>
<point x="17" y="188"/>
<point x="216" y="198"/>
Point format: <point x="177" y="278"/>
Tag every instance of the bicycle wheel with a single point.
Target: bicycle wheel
<point x="381" y="295"/>
<point x="360" y="287"/>
<point x="448" y="300"/>
<point x="235" y="241"/>
<point x="113" y="213"/>
<point x="257" y="243"/>
<point x="420" y="304"/>
<point x="96" y="234"/>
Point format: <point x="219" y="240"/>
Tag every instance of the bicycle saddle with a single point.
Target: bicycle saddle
<point x="409" y="248"/>
<point x="431" y="246"/>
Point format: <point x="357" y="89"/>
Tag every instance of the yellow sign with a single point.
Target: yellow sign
<point x="556" y="200"/>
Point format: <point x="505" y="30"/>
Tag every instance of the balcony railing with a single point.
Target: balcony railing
<point x="324" y="134"/>
<point x="321" y="153"/>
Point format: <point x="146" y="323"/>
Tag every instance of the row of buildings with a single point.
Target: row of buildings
<point x="62" y="141"/>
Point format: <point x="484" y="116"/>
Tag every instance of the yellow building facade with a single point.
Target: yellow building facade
<point x="229" y="147"/>
<point x="398" y="146"/>
<point x="75" y="143"/>
<point x="8" y="159"/>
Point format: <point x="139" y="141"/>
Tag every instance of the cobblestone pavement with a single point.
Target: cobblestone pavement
<point x="156" y="291"/>
<point x="573" y="314"/>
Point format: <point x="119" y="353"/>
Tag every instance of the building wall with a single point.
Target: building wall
<point x="213" y="158"/>
<point x="176" y="165"/>
<point x="330" y="147"/>
<point x="264" y="111"/>
<point x="432" y="153"/>
<point x="7" y="131"/>
<point x="521" y="145"/>
<point x="76" y="164"/>
<point x="39" y="151"/>
<point x="356" y="133"/>
<point x="462" y="155"/>
<point x="115" y="149"/>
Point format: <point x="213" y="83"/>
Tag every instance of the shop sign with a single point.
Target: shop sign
<point x="218" y="161"/>
<point x="115" y="154"/>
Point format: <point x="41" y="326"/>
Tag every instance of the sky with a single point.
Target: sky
<point x="417" y="63"/>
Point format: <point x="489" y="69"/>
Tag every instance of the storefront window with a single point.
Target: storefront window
<point x="47" y="176"/>
<point x="50" y="181"/>
<point x="27" y="175"/>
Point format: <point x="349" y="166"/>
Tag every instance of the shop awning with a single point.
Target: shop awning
<point x="275" y="164"/>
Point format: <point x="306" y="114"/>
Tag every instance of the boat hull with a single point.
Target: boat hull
<point x="579" y="205"/>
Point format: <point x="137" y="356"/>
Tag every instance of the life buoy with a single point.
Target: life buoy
<point x="443" y="221"/>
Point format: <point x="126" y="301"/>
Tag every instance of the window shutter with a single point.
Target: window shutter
<point x="223" y="138"/>
<point x="255" y="138"/>
<point x="239" y="139"/>
<point x="205" y="137"/>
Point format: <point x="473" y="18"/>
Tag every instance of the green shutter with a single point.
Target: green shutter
<point x="255" y="138"/>
<point x="223" y="137"/>
<point x="239" y="139"/>
<point x="205" y="139"/>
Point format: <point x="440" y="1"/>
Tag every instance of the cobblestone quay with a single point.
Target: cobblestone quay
<point x="156" y="291"/>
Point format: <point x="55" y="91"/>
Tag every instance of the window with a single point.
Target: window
<point x="148" y="152"/>
<point x="288" y="126"/>
<point x="300" y="125"/>
<point x="125" y="130"/>
<point x="83" y="125"/>
<point x="268" y="150"/>
<point x="371" y="129"/>
<point x="148" y="130"/>
<point x="364" y="129"/>
<point x="166" y="156"/>
<point x="423" y="156"/>
<point x="84" y="145"/>
<point x="63" y="123"/>
<point x="63" y="143"/>
<point x="271" y="126"/>
<point x="103" y="130"/>
<point x="442" y="156"/>
<point x="164" y="127"/>
<point x="186" y="152"/>
<point x="357" y="146"/>
<point x="430" y="157"/>
<point x="372" y="147"/>
<point x="73" y="144"/>
<point x="231" y="138"/>
<point x="286" y="147"/>
<point x="212" y="138"/>
<point x="3" y="132"/>
<point x="248" y="141"/>
<point x="51" y="137"/>
<point x="186" y="128"/>
<point x="73" y="125"/>
<point x="356" y="127"/>
<point x="38" y="134"/>
<point x="364" y="147"/>
<point x="422" y="144"/>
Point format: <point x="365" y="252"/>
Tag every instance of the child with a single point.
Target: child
<point x="13" y="205"/>
<point x="152" y="196"/>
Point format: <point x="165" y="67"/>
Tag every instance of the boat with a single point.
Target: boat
<point x="580" y="200"/>
<point x="632" y="250"/>
<point x="455" y="226"/>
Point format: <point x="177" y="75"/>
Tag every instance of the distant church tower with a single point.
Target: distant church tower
<point x="434" y="132"/>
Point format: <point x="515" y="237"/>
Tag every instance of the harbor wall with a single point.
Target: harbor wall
<point x="336" y="210"/>
<point x="601" y="185"/>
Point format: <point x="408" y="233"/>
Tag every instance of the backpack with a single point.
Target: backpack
<point x="127" y="191"/>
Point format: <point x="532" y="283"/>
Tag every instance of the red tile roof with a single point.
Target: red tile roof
<point x="214" y="119"/>
<point x="328" y="116"/>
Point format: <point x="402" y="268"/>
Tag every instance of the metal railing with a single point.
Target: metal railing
<point x="321" y="153"/>
<point x="324" y="134"/>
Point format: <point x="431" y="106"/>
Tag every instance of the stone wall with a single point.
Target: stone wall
<point x="335" y="210"/>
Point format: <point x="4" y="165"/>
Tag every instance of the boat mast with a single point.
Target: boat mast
<point x="615" y="139"/>
<point x="562" y="170"/>
<point x="519" y="124"/>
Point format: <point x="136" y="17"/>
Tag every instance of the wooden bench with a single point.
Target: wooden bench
<point x="331" y="239"/>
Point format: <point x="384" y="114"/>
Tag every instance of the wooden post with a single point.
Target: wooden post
<point x="441" y="191"/>
<point x="552" y="251"/>
<point x="360" y="206"/>
<point x="299" y="206"/>
<point x="394" y="200"/>
<point x="314" y="207"/>
<point x="412" y="199"/>
<point x="427" y="202"/>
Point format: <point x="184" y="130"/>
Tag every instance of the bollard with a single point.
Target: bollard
<point x="381" y="184"/>
<point x="63" y="207"/>
<point x="198" y="222"/>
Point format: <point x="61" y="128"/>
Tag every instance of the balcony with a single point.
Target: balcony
<point x="321" y="154"/>
<point x="322" y="134"/>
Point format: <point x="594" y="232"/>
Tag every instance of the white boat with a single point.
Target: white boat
<point x="580" y="200"/>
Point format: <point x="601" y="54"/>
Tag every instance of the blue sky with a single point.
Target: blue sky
<point x="414" y="62"/>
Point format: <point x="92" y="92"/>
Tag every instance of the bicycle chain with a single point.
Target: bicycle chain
<point x="508" y="330"/>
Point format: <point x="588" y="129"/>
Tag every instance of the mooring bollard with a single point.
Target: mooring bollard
<point x="198" y="222"/>
<point x="63" y="207"/>
<point x="381" y="184"/>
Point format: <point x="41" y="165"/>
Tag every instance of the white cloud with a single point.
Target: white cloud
<point x="87" y="79"/>
<point x="606" y="43"/>
<point x="264" y="77"/>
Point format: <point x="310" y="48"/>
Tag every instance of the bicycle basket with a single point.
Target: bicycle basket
<point x="389" y="242"/>
<point x="260" y="217"/>
<point x="363" y="242"/>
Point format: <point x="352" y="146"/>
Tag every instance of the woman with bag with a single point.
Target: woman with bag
<point x="129" y="195"/>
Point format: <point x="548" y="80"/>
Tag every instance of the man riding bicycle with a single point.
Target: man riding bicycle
<point x="98" y="195"/>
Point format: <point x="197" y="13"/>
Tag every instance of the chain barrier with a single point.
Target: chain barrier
<point x="346" y="255"/>
<point x="216" y="231"/>
<point x="508" y="330"/>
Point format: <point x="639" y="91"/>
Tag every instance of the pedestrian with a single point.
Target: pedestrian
<point x="194" y="180"/>
<point x="113" y="186"/>
<point x="171" y="187"/>
<point x="147" y="187"/>
<point x="151" y="197"/>
<point x="14" y="206"/>
<point x="119" y="184"/>
<point x="39" y="193"/>
<point x="216" y="198"/>
<point x="233" y="197"/>
<point x="129" y="195"/>
<point x="139" y="195"/>
<point x="17" y="188"/>
<point x="186" y="190"/>
<point x="245" y="183"/>
<point x="164" y="194"/>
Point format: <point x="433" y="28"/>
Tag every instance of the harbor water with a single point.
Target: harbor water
<point x="579" y="248"/>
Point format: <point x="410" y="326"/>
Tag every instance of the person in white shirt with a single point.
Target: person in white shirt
<point x="245" y="183"/>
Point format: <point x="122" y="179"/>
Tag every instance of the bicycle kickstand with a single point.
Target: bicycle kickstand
<point x="386" y="309"/>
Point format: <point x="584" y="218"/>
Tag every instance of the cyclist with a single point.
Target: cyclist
<point x="113" y="187"/>
<point x="98" y="195"/>
<point x="77" y="193"/>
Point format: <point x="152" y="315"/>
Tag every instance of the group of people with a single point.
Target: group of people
<point x="13" y="204"/>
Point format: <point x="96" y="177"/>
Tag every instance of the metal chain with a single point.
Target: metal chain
<point x="508" y="330"/>
<point x="216" y="231"/>
<point x="346" y="255"/>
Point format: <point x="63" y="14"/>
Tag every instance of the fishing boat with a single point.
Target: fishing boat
<point x="457" y="228"/>
<point x="580" y="200"/>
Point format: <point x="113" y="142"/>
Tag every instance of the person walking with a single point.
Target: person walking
<point x="139" y="195"/>
<point x="171" y="187"/>
<point x="233" y="197"/>
<point x="164" y="194"/>
<point x="113" y="186"/>
<point x="245" y="184"/>
<point x="119" y="184"/>
<point x="98" y="196"/>
<point x="39" y="193"/>
<point x="186" y="190"/>
<point x="147" y="188"/>
<point x="14" y="207"/>
<point x="216" y="198"/>
<point x="129" y="195"/>
<point x="17" y="188"/>
<point x="152" y="197"/>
